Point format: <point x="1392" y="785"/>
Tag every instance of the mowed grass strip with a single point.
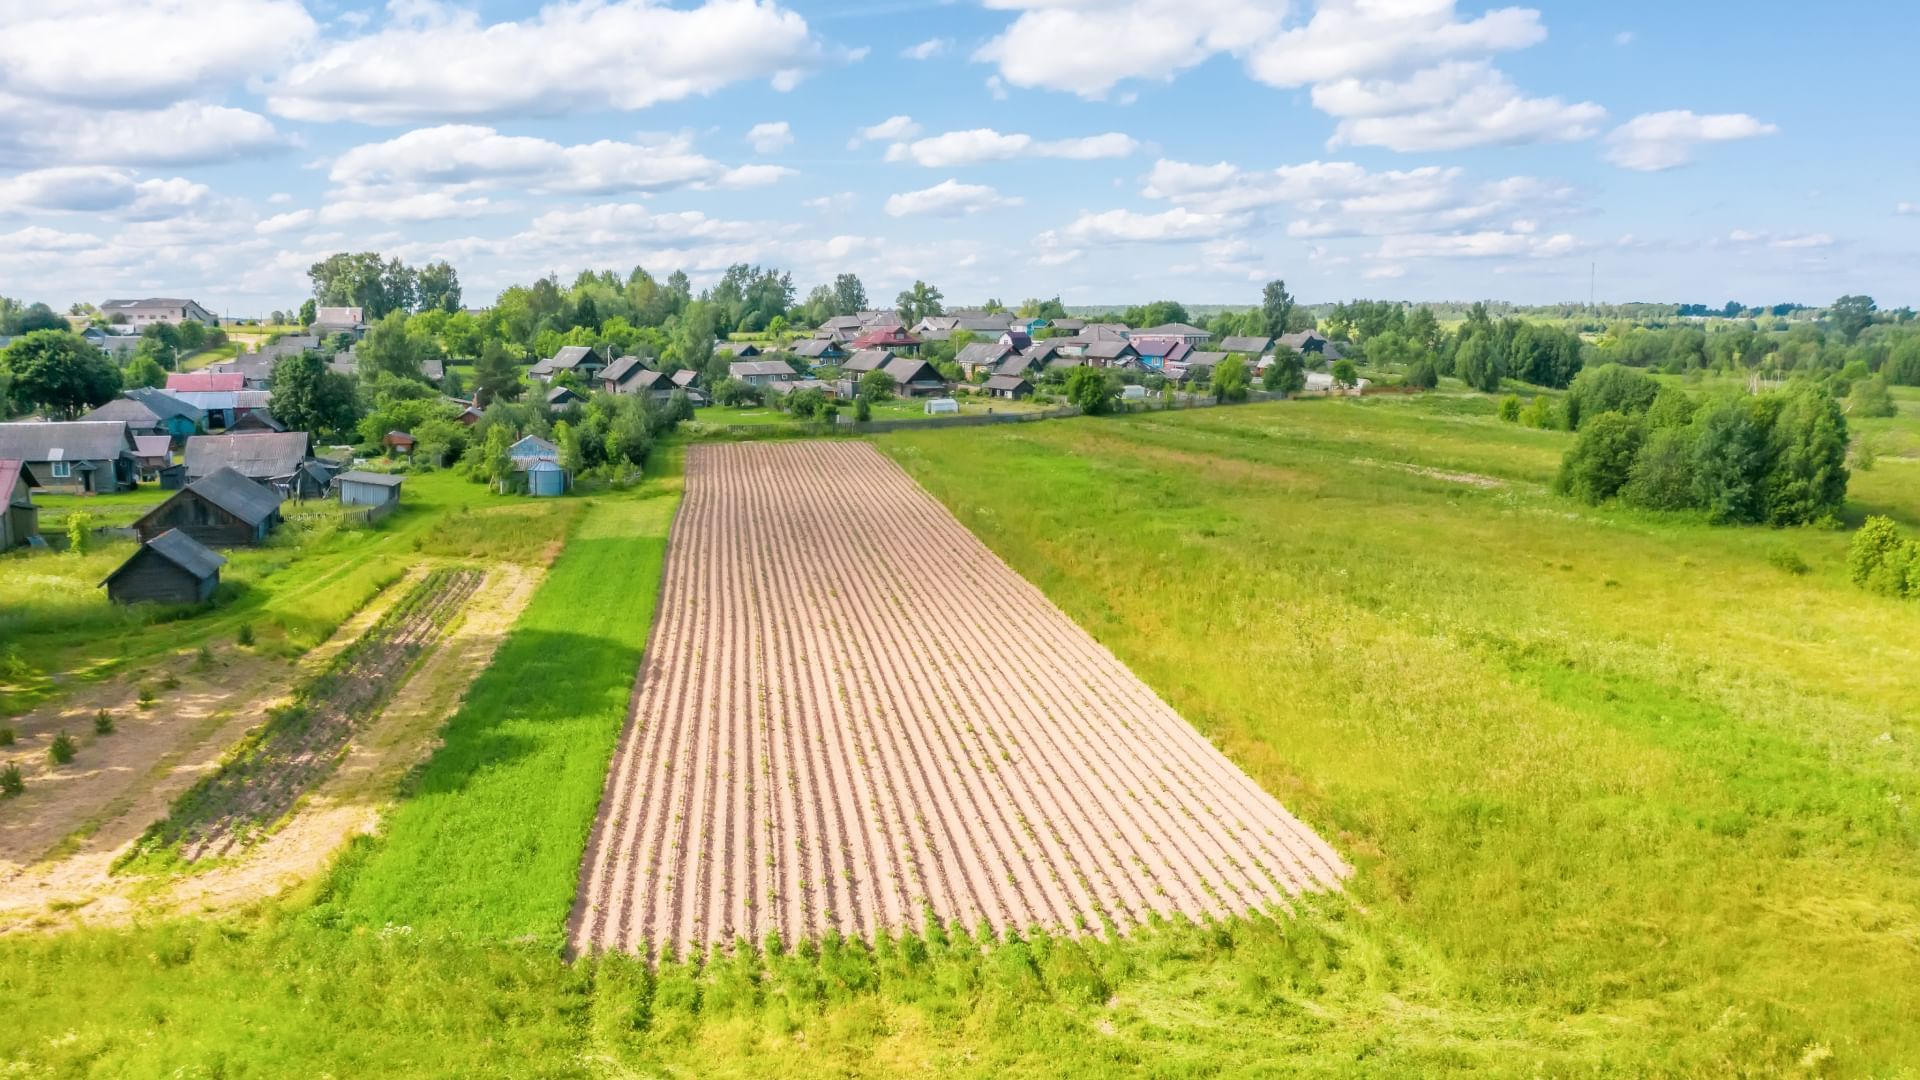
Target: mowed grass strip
<point x="487" y="841"/>
<point x="1628" y="778"/>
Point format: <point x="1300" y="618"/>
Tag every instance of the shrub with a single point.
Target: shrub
<point x="103" y="723"/>
<point x="1091" y="390"/>
<point x="1423" y="375"/>
<point x="245" y="635"/>
<point x="1672" y="407"/>
<point x="1510" y="409"/>
<point x="1601" y="460"/>
<point x="61" y="750"/>
<point x="1807" y="459"/>
<point x="1344" y="373"/>
<point x="1788" y="560"/>
<point x="1730" y="460"/>
<point x="7" y="735"/>
<point x="876" y="385"/>
<point x="862" y="409"/>
<point x="79" y="532"/>
<point x="1870" y="398"/>
<point x="11" y="783"/>
<point x="147" y="696"/>
<point x="1286" y="375"/>
<point x="1881" y="560"/>
<point x="1661" y="477"/>
<point x="1609" y="388"/>
<point x="1541" y="413"/>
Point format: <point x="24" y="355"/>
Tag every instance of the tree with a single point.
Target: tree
<point x="862" y="409"/>
<point x="1230" y="379"/>
<point x="806" y="405"/>
<point x="1601" y="461"/>
<point x="1610" y="388"/>
<point x="309" y="397"/>
<point x="735" y="392"/>
<point x="143" y="371"/>
<point x="1807" y="474"/>
<point x="918" y="302"/>
<point x="568" y="440"/>
<point x="1477" y="364"/>
<point x="438" y="285"/>
<point x="58" y="371"/>
<point x="1881" y="560"/>
<point x="1345" y="374"/>
<point x="497" y="457"/>
<point x="1730" y="460"/>
<point x="1286" y="375"/>
<point x="629" y="436"/>
<point x="1872" y="399"/>
<point x="849" y="295"/>
<point x="679" y="408"/>
<point x="1661" y="477"/>
<point x="1422" y="375"/>
<point x="1276" y="308"/>
<point x="309" y="311"/>
<point x="1091" y="391"/>
<point x="390" y="348"/>
<point x="876" y="386"/>
<point x="1850" y="315"/>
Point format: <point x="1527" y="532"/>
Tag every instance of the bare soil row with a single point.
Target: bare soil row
<point x="854" y="715"/>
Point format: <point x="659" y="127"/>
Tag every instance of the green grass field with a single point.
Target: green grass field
<point x="896" y="409"/>
<point x="1626" y="798"/>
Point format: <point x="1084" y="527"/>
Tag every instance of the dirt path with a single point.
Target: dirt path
<point x="853" y="712"/>
<point x="78" y="888"/>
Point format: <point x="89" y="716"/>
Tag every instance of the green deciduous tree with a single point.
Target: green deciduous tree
<point x="1730" y="460"/>
<point x="1609" y="388"/>
<point x="1662" y="474"/>
<point x="143" y="371"/>
<point x="1286" y="375"/>
<point x="58" y="371"/>
<point x="876" y="386"/>
<point x="438" y="286"/>
<point x="1345" y="374"/>
<point x="1850" y="315"/>
<point x="1276" y="308"/>
<point x="307" y="396"/>
<point x="1601" y="461"/>
<point x="496" y="376"/>
<point x="1807" y="474"/>
<point x="1091" y="391"/>
<point x="1230" y="379"/>
<point x="1478" y="364"/>
<point x="1881" y="560"/>
<point x="918" y="302"/>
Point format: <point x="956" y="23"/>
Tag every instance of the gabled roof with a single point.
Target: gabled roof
<point x="127" y="410"/>
<point x="1172" y="329"/>
<point x="182" y="551"/>
<point x="684" y="378"/>
<point x="570" y="357"/>
<point x="982" y="353"/>
<point x="533" y="446"/>
<point x="338" y="316"/>
<point x="1019" y="339"/>
<point x="885" y="335"/>
<point x="1043" y="350"/>
<point x="1019" y="364"/>
<point x="151" y="446"/>
<point x="230" y="491"/>
<point x="359" y="477"/>
<point x="741" y="369"/>
<point x="1069" y="325"/>
<point x="261" y="456"/>
<point x="1250" y="346"/>
<point x="11" y="470"/>
<point x="562" y="393"/>
<point x="1111" y="350"/>
<point x="1299" y="339"/>
<point x="74" y="440"/>
<point x="737" y="348"/>
<point x="1007" y="382"/>
<point x="164" y="405"/>
<point x="153" y="302"/>
<point x="814" y="348"/>
<point x="622" y="369"/>
<point x="206" y="381"/>
<point x="906" y="369"/>
<point x="1204" y="359"/>
<point x="867" y="360"/>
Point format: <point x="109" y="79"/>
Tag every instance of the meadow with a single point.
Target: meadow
<point x="1626" y="793"/>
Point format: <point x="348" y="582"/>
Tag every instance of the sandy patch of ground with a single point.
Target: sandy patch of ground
<point x="852" y="712"/>
<point x="1470" y="479"/>
<point x="76" y="887"/>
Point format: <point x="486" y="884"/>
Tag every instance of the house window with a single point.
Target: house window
<point x="62" y="470"/>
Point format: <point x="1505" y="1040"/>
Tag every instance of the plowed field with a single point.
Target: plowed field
<point x="854" y="714"/>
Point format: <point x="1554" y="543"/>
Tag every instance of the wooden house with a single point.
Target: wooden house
<point x="172" y="568"/>
<point x="760" y="372"/>
<point x="913" y="377"/>
<point x="223" y="509"/>
<point x="561" y="397"/>
<point x="399" y="442"/>
<point x="152" y="453"/>
<point x="1010" y="387"/>
<point x="359" y="488"/>
<point x="77" y="457"/>
<point x="982" y="356"/>
<point x="139" y="418"/>
<point x="819" y="351"/>
<point x="263" y="458"/>
<point x="180" y="419"/>
<point x="19" y="520"/>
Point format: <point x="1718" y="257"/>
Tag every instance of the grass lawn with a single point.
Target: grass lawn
<point x="1625" y="796"/>
<point x="118" y="509"/>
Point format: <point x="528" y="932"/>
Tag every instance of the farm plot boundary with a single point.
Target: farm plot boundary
<point x="855" y="717"/>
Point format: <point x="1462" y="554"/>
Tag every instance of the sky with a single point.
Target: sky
<point x="1104" y="151"/>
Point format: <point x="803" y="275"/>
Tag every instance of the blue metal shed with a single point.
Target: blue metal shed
<point x="546" y="478"/>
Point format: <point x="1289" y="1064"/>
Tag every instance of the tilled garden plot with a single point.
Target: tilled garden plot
<point x="303" y="742"/>
<point x="853" y="715"/>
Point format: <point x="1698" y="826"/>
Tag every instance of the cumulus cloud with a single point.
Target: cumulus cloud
<point x="405" y="209"/>
<point x="187" y="133"/>
<point x="980" y="145"/>
<point x="1652" y="142"/>
<point x="465" y="156"/>
<point x="291" y="221"/>
<point x="1491" y="243"/>
<point x="142" y="53"/>
<point x="1782" y="241"/>
<point x="1449" y="107"/>
<point x="753" y="176"/>
<point x="610" y="54"/>
<point x="893" y="127"/>
<point x="949" y="198"/>
<point x="1132" y="227"/>
<point x="99" y="190"/>
<point x="1906" y="208"/>
<point x="1357" y="39"/>
<point x="1117" y="40"/>
<point x="770" y="138"/>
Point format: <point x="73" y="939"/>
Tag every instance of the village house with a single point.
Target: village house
<point x="1192" y="335"/>
<point x="374" y="489"/>
<point x="203" y="382"/>
<point x="1156" y="352"/>
<point x="1255" y="347"/>
<point x="982" y="356"/>
<point x="221" y="509"/>
<point x="538" y="462"/>
<point x="19" y="520"/>
<point x="1010" y="387"/>
<point x="270" y="458"/>
<point x="578" y="359"/>
<point x="172" y="568"/>
<point x="819" y="351"/>
<point x="759" y="372"/>
<point x="398" y="442"/>
<point x="687" y="381"/>
<point x="1304" y="341"/>
<point x="1016" y="339"/>
<point x="859" y="363"/>
<point x="1025" y="364"/>
<point x="152" y="454"/>
<point x="140" y="419"/>
<point x="738" y="350"/>
<point x="255" y="370"/>
<point x="177" y="418"/>
<point x="1110" y="354"/>
<point x="914" y="377"/>
<point x="108" y="340"/>
<point x="627" y="375"/>
<point x="145" y="313"/>
<point x="73" y="457"/>
<point x="253" y="421"/>
<point x="895" y="338"/>
<point x="328" y="321"/>
<point x="561" y="397"/>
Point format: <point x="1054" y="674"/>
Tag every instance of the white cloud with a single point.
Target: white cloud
<point x="100" y="190"/>
<point x="1623" y="38"/>
<point x="280" y="198"/>
<point x="424" y="206"/>
<point x="464" y="156"/>
<point x="1449" y="107"/>
<point x="753" y="176"/>
<point x="927" y="49"/>
<point x="37" y="238"/>
<point x="1357" y="39"/>
<point x="770" y="138"/>
<point x="573" y="54"/>
<point x="1128" y="226"/>
<point x="1651" y="142"/>
<point x="288" y="222"/>
<point x="1478" y="245"/>
<point x="187" y="133"/>
<point x="1906" y="208"/>
<point x="1784" y="242"/>
<point x="837" y="201"/>
<point x="980" y="145"/>
<point x="142" y="53"/>
<point x="893" y="127"/>
<point x="949" y="198"/>
<point x="1116" y="40"/>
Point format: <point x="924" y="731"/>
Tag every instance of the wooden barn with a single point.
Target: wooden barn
<point x="19" y="519"/>
<point x="359" y="488"/>
<point x="221" y="509"/>
<point x="172" y="568"/>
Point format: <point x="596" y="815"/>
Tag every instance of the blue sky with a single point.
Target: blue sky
<point x="1107" y="151"/>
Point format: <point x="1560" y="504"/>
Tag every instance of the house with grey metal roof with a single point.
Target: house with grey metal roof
<point x="1246" y="346"/>
<point x="328" y="321"/>
<point x="221" y="509"/>
<point x="914" y="377"/>
<point x="627" y="375"/>
<point x="1010" y="387"/>
<point x="982" y="356"/>
<point x="171" y="568"/>
<point x="861" y="361"/>
<point x="263" y="457"/>
<point x="358" y="488"/>
<point x="180" y="419"/>
<point x="759" y="372"/>
<point x="155" y="310"/>
<point x="73" y="457"/>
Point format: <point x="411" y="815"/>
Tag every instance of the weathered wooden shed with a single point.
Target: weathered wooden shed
<point x="359" y="488"/>
<point x="172" y="568"/>
<point x="221" y="509"/>
<point x="19" y="519"/>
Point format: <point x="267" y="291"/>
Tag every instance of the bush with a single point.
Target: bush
<point x="61" y="750"/>
<point x="1871" y="398"/>
<point x="1510" y="409"/>
<point x="1672" y="407"/>
<point x="1610" y="388"/>
<point x="1601" y="460"/>
<point x="1423" y="375"/>
<point x="103" y="723"/>
<point x="1807" y="466"/>
<point x="1730" y="460"/>
<point x="1661" y="477"/>
<point x="11" y="782"/>
<point x="79" y="532"/>
<point x="876" y="386"/>
<point x="1788" y="560"/>
<point x="7" y="735"/>
<point x="862" y="409"/>
<point x="1091" y="390"/>
<point x="245" y="635"/>
<point x="1881" y="560"/>
<point x="147" y="696"/>
<point x="1541" y="413"/>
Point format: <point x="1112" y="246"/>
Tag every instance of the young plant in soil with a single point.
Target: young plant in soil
<point x="103" y="723"/>
<point x="7" y="735"/>
<point x="11" y="783"/>
<point x="61" y="750"/>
